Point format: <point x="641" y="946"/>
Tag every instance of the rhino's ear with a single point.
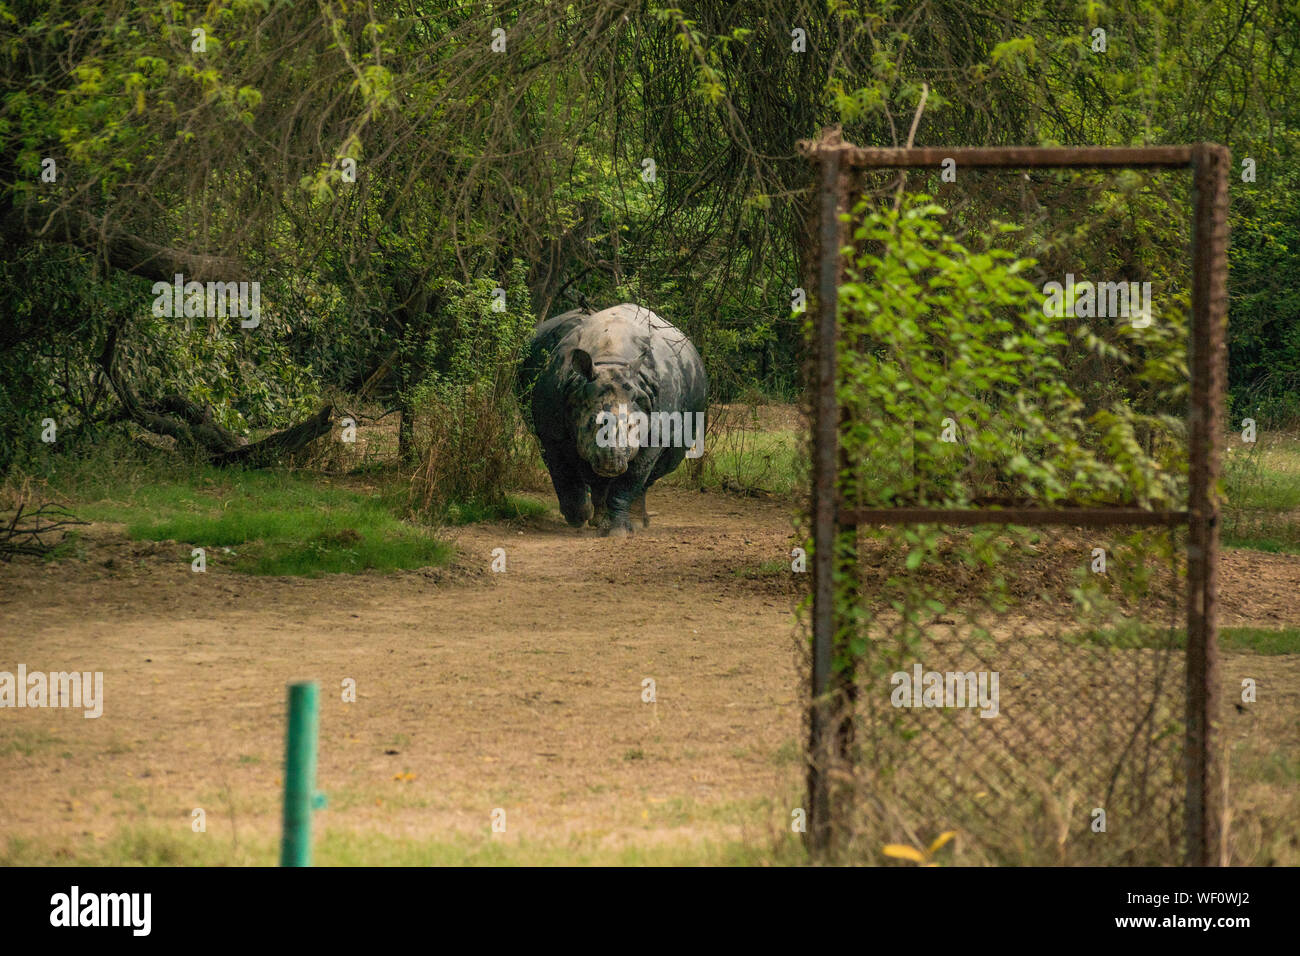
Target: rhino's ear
<point x="581" y="362"/>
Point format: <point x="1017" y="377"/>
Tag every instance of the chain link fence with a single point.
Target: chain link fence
<point x="1018" y="379"/>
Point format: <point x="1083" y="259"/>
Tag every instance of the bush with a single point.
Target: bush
<point x="468" y="436"/>
<point x="473" y="449"/>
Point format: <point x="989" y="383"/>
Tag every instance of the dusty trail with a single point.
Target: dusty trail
<point x="475" y="690"/>
<point x="520" y="690"/>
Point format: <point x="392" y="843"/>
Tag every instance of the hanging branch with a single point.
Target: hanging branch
<point x="194" y="425"/>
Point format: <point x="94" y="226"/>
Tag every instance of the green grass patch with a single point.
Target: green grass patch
<point x="19" y="740"/>
<point x="748" y="460"/>
<point x="178" y="846"/>
<point x="259" y="521"/>
<point x="1276" y="768"/>
<point x="1254" y="640"/>
<point x="768" y="569"/>
<point x="1263" y="476"/>
<point x="515" y="506"/>
<point x="1254" y="532"/>
<point x="1260" y="640"/>
<point x="1261" y="483"/>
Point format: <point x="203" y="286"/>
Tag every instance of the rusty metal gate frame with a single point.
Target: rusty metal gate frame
<point x="829" y="720"/>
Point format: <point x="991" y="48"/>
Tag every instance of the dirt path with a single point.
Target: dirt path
<point x="520" y="690"/>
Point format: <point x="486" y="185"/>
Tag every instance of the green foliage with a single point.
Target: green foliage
<point x="470" y="443"/>
<point x="956" y="387"/>
<point x="59" y="308"/>
<point x="469" y="161"/>
<point x="1264" y="254"/>
<point x="251" y="379"/>
<point x="955" y="381"/>
<point x="470" y="341"/>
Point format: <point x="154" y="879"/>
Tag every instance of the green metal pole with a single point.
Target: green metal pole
<point x="299" y="774"/>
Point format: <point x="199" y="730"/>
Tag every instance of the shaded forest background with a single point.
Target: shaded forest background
<point x="386" y="171"/>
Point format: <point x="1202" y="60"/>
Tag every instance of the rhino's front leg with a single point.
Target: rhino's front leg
<point x="623" y="492"/>
<point x="571" y="490"/>
<point x="599" y="490"/>
<point x="574" y="504"/>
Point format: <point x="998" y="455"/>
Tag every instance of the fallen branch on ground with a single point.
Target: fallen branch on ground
<point x="26" y="530"/>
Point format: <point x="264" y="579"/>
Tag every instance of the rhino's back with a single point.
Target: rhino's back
<point x="621" y="333"/>
<point x="618" y="335"/>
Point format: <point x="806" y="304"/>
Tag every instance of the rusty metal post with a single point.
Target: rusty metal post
<point x="830" y="713"/>
<point x="824" y="465"/>
<point x="844" y="683"/>
<point x="1205" y="844"/>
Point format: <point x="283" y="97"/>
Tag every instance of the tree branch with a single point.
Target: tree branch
<point x="118" y="248"/>
<point x="194" y="425"/>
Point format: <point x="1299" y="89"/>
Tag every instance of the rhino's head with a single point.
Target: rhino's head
<point x="601" y="402"/>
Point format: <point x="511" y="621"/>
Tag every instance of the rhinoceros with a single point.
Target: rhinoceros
<point x="617" y="399"/>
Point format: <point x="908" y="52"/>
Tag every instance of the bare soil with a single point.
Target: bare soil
<point x="475" y="689"/>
